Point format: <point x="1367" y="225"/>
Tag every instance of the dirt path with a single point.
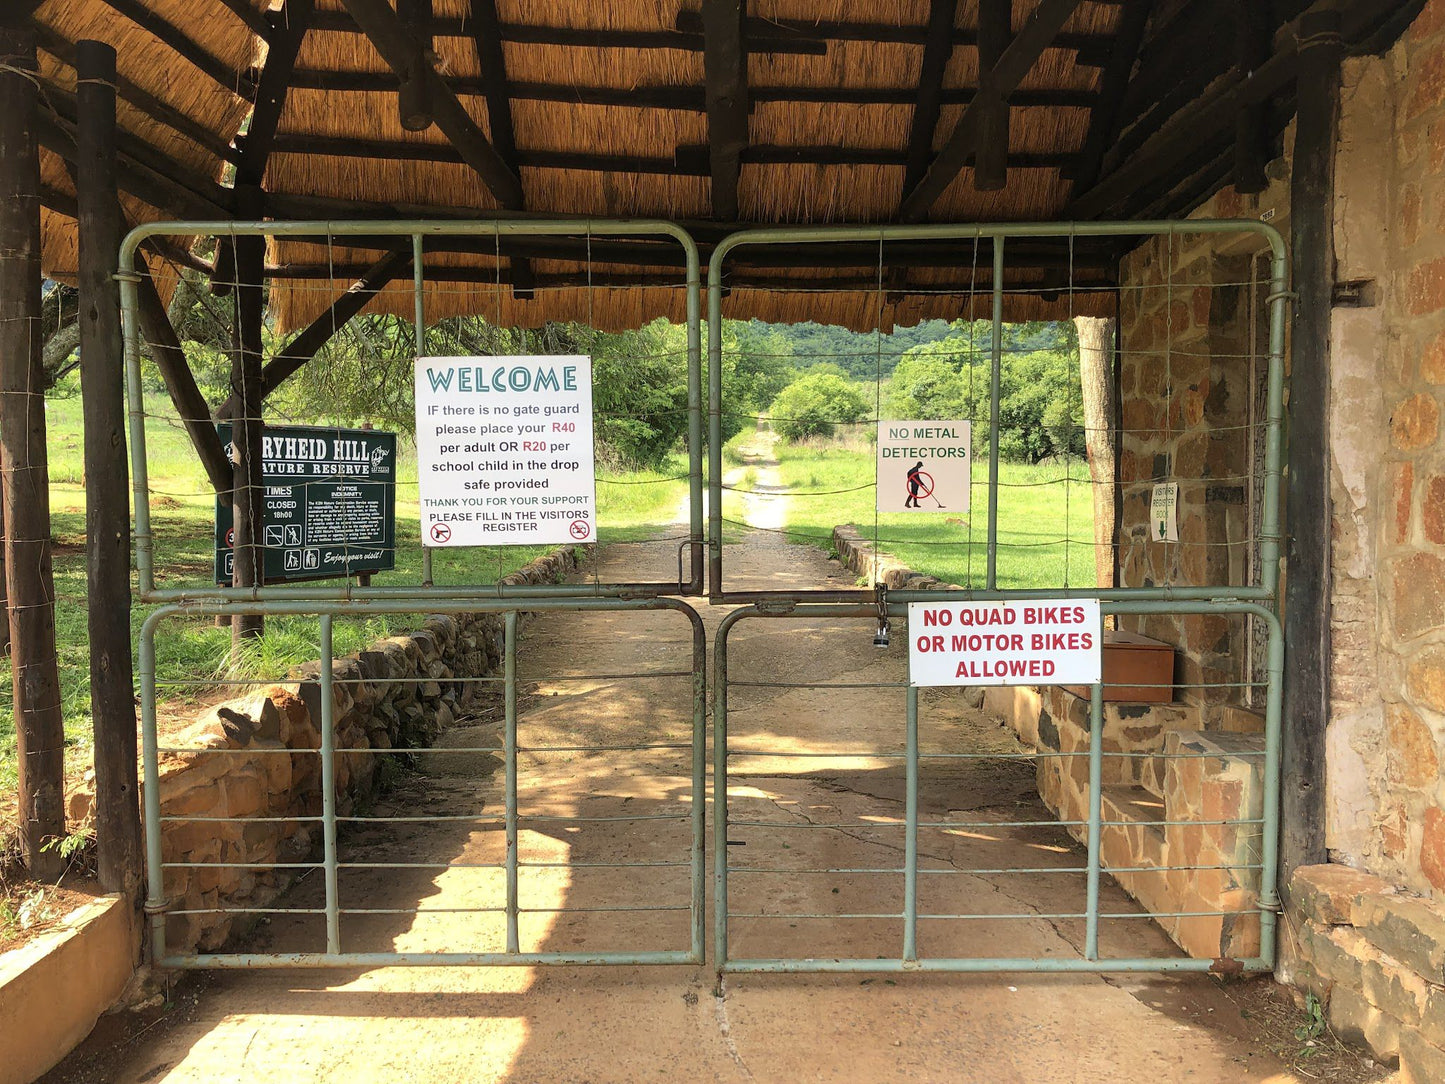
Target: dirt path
<point x="640" y="1024"/>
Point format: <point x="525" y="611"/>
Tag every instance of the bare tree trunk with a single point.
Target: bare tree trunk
<point x="39" y="724"/>
<point x="1096" y="372"/>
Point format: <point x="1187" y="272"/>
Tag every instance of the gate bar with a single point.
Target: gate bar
<point x="1096" y="816"/>
<point x="509" y="743"/>
<point x="416" y="229"/>
<point x="328" y="790"/>
<point x="910" y="839"/>
<point x="995" y="380"/>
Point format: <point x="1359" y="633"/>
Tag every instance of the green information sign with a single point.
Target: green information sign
<point x="330" y="503"/>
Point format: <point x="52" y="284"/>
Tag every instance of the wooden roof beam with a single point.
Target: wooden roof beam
<point x="995" y="31"/>
<point x="1251" y="132"/>
<point x="689" y="160"/>
<point x="1093" y="48"/>
<point x="590" y="38"/>
<point x="1104" y="122"/>
<point x="492" y="64"/>
<point x="692" y="99"/>
<point x="929" y="96"/>
<point x="994" y="87"/>
<point x="725" y="61"/>
<point x="385" y="31"/>
<point x="238" y="82"/>
<point x="1182" y="135"/>
<point x="288" y="29"/>
<point x="141" y="100"/>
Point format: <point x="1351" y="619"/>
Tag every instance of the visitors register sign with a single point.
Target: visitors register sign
<point x="330" y="503"/>
<point x="1025" y="642"/>
<point x="504" y="451"/>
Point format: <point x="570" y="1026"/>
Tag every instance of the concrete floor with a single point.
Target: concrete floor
<point x="638" y="1024"/>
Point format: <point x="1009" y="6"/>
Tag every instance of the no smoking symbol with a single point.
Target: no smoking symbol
<point x="579" y="528"/>
<point x="440" y="532"/>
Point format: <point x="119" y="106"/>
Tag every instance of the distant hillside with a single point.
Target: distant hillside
<point x="858" y="353"/>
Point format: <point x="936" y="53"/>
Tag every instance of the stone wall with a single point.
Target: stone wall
<point x="257" y="757"/>
<point x="1375" y="957"/>
<point x="1191" y="375"/>
<point x="1387" y="719"/>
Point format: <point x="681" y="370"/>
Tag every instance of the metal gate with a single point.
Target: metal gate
<point x="873" y="892"/>
<point x="211" y="873"/>
<point x="1090" y="762"/>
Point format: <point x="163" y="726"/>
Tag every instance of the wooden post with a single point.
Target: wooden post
<point x="107" y="508"/>
<point x="247" y="497"/>
<point x="39" y="725"/>
<point x="1096" y="355"/>
<point x="1307" y="585"/>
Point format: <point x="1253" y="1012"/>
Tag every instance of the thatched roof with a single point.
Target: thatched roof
<point x="840" y="111"/>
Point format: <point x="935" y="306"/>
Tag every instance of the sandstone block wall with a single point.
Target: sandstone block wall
<point x="254" y="765"/>
<point x="1375" y="957"/>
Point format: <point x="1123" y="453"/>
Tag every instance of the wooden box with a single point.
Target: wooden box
<point x="1137" y="670"/>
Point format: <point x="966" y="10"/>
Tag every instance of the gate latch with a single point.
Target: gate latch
<point x="880" y="638"/>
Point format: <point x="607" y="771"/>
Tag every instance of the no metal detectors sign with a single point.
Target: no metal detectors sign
<point x="923" y="466"/>
<point x="504" y="451"/>
<point x="1033" y="642"/>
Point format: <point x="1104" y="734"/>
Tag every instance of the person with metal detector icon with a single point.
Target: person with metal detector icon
<point x="915" y="483"/>
<point x="920" y="483"/>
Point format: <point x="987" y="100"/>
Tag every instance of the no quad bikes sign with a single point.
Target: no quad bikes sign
<point x="1032" y="642"/>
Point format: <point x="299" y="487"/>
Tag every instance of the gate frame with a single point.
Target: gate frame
<point x="156" y="903"/>
<point x="1268" y="904"/>
<point x="999" y="234"/>
<point x="418" y="230"/>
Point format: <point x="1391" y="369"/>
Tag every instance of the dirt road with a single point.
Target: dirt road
<point x="648" y="1024"/>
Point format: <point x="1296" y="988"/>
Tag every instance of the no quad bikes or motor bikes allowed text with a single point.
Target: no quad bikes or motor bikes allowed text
<point x="923" y="466"/>
<point x="504" y="451"/>
<point x="1025" y="642"/>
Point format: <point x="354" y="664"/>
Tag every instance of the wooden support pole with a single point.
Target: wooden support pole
<point x="995" y="31"/>
<point x="39" y="725"/>
<point x="1096" y="379"/>
<point x="107" y="506"/>
<point x="1307" y="587"/>
<point x="247" y="496"/>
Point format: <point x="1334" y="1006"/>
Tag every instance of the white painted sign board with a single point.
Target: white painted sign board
<point x="924" y="466"/>
<point x="1032" y="642"/>
<point x="504" y="451"/>
<point x="1163" y="512"/>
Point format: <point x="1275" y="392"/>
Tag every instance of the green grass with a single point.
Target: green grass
<point x="193" y="654"/>
<point x="1039" y="507"/>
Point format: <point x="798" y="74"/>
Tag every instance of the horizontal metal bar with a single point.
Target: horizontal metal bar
<point x="440" y="817"/>
<point x="599" y="910"/>
<point x="853" y="755"/>
<point x="733" y="684"/>
<point x="988" y="964"/>
<point x="785" y="869"/>
<point x="601" y="748"/>
<point x="1010" y="869"/>
<point x="252" y="961"/>
<point x="249" y="911"/>
<point x="816" y="915"/>
<point x="170" y="818"/>
<point x="241" y="865"/>
<point x="419" y="865"/>
<point x="735" y="823"/>
<point x="422" y="910"/>
<point x="559" y="818"/>
<point x="604" y="865"/>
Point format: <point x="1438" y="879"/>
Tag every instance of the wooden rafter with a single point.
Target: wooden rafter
<point x="222" y="73"/>
<point x="1180" y="138"/>
<point x="994" y="86"/>
<point x="1252" y="134"/>
<point x="929" y="96"/>
<point x="141" y="99"/>
<point x="492" y="66"/>
<point x="288" y="29"/>
<point x="691" y="99"/>
<point x="725" y="63"/>
<point x="1104" y="122"/>
<point x="995" y="31"/>
<point x="385" y="31"/>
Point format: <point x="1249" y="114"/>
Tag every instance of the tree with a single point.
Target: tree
<point x="813" y="404"/>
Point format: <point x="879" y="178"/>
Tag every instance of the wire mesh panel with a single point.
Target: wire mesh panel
<point x="863" y="824"/>
<point x="438" y="289"/>
<point x="436" y="797"/>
